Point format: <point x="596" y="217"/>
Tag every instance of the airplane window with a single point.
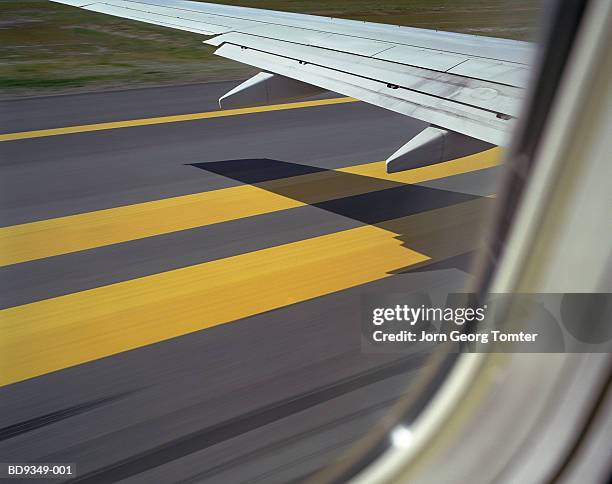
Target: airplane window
<point x="326" y="241"/>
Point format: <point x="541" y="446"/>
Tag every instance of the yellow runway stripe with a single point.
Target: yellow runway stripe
<point x="42" y="133"/>
<point x="57" y="333"/>
<point x="46" y="238"/>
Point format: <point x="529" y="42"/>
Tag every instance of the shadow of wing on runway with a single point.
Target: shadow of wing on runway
<point x="253" y="171"/>
<point x="448" y="235"/>
<point x="440" y="223"/>
<point x="369" y="200"/>
<point x="462" y="262"/>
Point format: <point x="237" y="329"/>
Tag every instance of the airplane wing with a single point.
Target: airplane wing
<point x="468" y="88"/>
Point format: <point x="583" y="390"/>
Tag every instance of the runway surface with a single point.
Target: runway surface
<point x="181" y="295"/>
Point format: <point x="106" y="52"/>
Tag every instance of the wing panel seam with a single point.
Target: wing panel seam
<point x="491" y="111"/>
<point x="364" y="57"/>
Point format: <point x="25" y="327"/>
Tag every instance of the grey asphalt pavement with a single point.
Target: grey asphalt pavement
<point x="270" y="398"/>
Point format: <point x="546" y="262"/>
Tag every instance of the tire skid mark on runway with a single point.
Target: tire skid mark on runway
<point x="57" y="333"/>
<point x="19" y="428"/>
<point x="86" y="128"/>
<point x="204" y="438"/>
<point x="73" y="233"/>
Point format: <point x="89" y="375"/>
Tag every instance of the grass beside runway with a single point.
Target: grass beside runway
<point x="54" y="48"/>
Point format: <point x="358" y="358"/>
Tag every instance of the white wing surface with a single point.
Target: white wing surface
<point x="460" y="84"/>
